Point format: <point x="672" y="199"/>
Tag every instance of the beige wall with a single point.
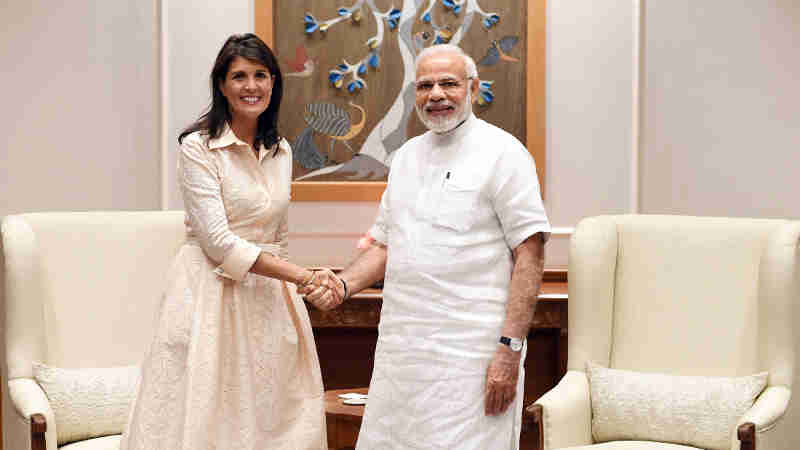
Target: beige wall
<point x="721" y="108"/>
<point x="676" y="106"/>
<point x="80" y="111"/>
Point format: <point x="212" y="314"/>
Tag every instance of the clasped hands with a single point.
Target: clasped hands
<point x="323" y="289"/>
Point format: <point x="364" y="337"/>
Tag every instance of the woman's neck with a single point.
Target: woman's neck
<point x="245" y="130"/>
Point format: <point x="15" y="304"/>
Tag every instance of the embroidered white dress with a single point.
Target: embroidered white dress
<point x="455" y="206"/>
<point x="233" y="364"/>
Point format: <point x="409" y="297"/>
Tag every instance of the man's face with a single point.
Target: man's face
<point x="443" y="92"/>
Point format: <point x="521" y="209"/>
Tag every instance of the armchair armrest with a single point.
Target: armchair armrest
<point x="33" y="426"/>
<point x="765" y="413"/>
<point x="564" y="413"/>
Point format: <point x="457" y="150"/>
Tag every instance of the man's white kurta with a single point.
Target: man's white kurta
<point x="455" y="207"/>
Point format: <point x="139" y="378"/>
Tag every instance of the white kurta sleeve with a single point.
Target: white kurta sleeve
<point x="380" y="229"/>
<point x="202" y="198"/>
<point x="517" y="199"/>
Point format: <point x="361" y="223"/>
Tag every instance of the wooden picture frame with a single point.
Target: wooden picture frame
<point x="535" y="120"/>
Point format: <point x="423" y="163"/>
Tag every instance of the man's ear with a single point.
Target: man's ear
<point x="473" y="88"/>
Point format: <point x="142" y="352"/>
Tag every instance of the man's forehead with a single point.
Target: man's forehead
<point x="441" y="65"/>
<point x="437" y="76"/>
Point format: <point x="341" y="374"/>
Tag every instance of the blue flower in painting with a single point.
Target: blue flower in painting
<point x="310" y="23"/>
<point x="344" y="11"/>
<point x="394" y="18"/>
<point x="362" y="69"/>
<point x="451" y="5"/>
<point x="343" y="67"/>
<point x="374" y="60"/>
<point x="427" y="18"/>
<point x="355" y="85"/>
<point x="485" y="94"/>
<point x="438" y="40"/>
<point x="336" y="78"/>
<point x="491" y="20"/>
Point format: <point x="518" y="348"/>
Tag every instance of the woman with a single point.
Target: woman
<point x="233" y="362"/>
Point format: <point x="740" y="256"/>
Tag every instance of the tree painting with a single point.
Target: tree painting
<point x="349" y="75"/>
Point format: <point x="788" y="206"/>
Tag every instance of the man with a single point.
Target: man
<point x="460" y="239"/>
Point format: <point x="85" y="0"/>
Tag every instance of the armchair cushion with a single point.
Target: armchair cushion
<point x="88" y="403"/>
<point x="691" y="410"/>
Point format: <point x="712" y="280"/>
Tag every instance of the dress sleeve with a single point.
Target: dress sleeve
<point x="200" y="187"/>
<point x="282" y="237"/>
<point x="516" y="198"/>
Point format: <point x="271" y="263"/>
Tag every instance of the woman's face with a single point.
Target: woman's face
<point x="248" y="88"/>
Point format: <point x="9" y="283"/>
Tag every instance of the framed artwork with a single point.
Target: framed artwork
<point x="348" y="71"/>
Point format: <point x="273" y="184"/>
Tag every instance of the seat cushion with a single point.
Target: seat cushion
<point x="102" y="443"/>
<point x="632" y="445"/>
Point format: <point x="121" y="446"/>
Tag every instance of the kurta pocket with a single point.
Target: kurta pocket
<point x="457" y="203"/>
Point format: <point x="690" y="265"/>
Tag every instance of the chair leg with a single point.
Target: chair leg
<point x="747" y="436"/>
<point x="38" y="429"/>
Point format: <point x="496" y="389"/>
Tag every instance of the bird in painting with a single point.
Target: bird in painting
<point x="330" y="120"/>
<point x="301" y="65"/>
<point x="499" y="50"/>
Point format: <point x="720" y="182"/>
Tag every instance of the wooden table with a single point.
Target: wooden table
<point x="343" y="421"/>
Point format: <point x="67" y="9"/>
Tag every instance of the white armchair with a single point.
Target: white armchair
<point x="678" y="297"/>
<point x="81" y="291"/>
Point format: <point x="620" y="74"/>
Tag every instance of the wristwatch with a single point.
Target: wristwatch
<point x="512" y="343"/>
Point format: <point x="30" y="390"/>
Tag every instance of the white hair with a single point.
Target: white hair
<point x="469" y="63"/>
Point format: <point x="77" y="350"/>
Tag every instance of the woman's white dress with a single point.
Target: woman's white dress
<point x="233" y="363"/>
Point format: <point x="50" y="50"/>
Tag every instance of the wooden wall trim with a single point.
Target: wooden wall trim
<point x="350" y="191"/>
<point x="536" y="87"/>
<point x="263" y="18"/>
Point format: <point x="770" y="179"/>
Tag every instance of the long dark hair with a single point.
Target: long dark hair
<point x="213" y="122"/>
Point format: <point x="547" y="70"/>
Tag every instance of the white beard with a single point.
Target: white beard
<point x="445" y="124"/>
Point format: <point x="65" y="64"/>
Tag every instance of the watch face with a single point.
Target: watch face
<point x="516" y="345"/>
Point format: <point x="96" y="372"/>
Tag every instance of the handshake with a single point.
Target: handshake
<point x="323" y="289"/>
